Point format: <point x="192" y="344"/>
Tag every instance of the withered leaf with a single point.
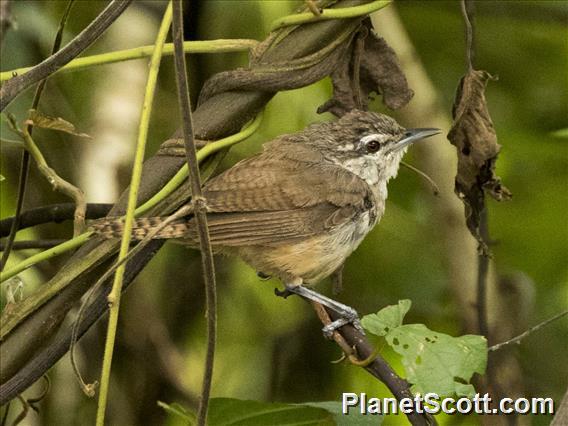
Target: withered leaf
<point x="474" y="136"/>
<point x="43" y="121"/>
<point x="379" y="71"/>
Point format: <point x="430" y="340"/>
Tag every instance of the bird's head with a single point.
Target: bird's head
<point x="362" y="140"/>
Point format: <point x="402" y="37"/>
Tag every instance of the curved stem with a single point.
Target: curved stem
<point x="326" y="14"/>
<point x="204" y="46"/>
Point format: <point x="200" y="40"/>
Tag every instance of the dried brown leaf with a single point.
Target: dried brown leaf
<point x="43" y="121"/>
<point x="378" y="71"/>
<point x="474" y="136"/>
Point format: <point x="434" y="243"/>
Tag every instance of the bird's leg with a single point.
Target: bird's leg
<point x="347" y="313"/>
<point x="337" y="280"/>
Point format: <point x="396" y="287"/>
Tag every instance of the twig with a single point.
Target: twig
<point x="10" y="143"/>
<point x="24" y="169"/>
<point x="531" y="330"/>
<point x="483" y="258"/>
<point x="200" y="207"/>
<point x="25" y="164"/>
<point x="193" y="47"/>
<point x="5" y="416"/>
<point x="33" y="244"/>
<point x="84" y="39"/>
<point x="58" y="183"/>
<point x="114" y="296"/>
<point x="482" y="271"/>
<point x="433" y="184"/>
<point x="23" y="414"/>
<point x="348" y="337"/>
<point x="53" y="213"/>
<point x="339" y="13"/>
<point x="467" y="12"/>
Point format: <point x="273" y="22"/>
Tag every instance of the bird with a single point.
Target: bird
<point x="299" y="208"/>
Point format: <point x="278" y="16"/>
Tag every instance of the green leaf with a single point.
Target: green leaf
<point x="230" y="411"/>
<point x="54" y="123"/>
<point x="179" y="412"/>
<point x="355" y="418"/>
<point x="386" y="319"/>
<point x="433" y="362"/>
<point x="2" y="178"/>
<point x="436" y="362"/>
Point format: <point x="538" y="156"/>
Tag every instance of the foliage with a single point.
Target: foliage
<point x="434" y="362"/>
<point x="230" y="411"/>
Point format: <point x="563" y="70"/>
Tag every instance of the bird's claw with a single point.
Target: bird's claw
<point x="349" y="316"/>
<point x="283" y="293"/>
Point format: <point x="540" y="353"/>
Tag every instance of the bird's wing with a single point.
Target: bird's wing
<point x="273" y="200"/>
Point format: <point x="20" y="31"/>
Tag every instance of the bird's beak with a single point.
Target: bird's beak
<point x="413" y="135"/>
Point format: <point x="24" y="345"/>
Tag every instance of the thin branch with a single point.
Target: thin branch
<point x="58" y="183"/>
<point x="115" y="294"/>
<point x="22" y="180"/>
<point x="326" y="14"/>
<point x="193" y="47"/>
<point x="467" y="12"/>
<point x="33" y="244"/>
<point x="530" y="331"/>
<point x="84" y="39"/>
<point x="352" y="341"/>
<point x="483" y="258"/>
<point x="433" y="184"/>
<point x="25" y="164"/>
<point x="23" y="414"/>
<point x="200" y="209"/>
<point x="482" y="271"/>
<point x="53" y="213"/>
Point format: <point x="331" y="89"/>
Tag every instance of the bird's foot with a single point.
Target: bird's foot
<point x="348" y="314"/>
<point x="283" y="293"/>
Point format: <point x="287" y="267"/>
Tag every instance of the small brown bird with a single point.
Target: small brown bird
<point x="298" y="209"/>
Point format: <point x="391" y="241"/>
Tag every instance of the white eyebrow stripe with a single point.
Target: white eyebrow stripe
<point x="373" y="137"/>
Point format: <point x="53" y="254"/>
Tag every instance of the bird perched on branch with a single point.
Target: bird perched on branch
<point x="298" y="209"/>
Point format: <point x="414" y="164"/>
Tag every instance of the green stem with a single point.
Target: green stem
<point x="114" y="296"/>
<point x="326" y="14"/>
<point x="170" y="187"/>
<point x="206" y="46"/>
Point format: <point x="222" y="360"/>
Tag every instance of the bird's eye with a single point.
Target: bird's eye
<point x="372" y="146"/>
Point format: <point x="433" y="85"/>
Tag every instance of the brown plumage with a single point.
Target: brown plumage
<point x="300" y="207"/>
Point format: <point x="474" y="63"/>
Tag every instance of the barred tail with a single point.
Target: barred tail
<point x="113" y="227"/>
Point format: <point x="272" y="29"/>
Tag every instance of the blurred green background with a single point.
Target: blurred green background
<point x="269" y="348"/>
